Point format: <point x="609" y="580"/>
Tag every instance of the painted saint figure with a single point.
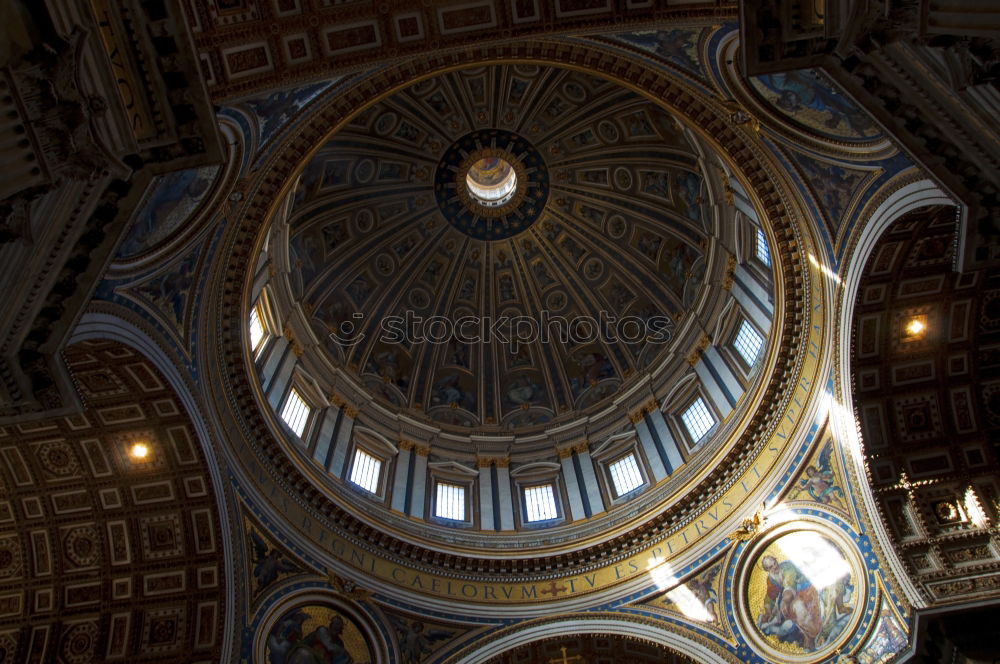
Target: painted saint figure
<point x="792" y="609"/>
<point x="797" y="91"/>
<point x="323" y="645"/>
<point x="796" y="612"/>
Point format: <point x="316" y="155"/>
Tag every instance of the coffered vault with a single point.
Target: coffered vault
<point x="776" y="441"/>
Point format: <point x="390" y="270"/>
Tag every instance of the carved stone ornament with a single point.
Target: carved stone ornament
<point x="15" y="213"/>
<point x="60" y="117"/>
<point x="58" y="112"/>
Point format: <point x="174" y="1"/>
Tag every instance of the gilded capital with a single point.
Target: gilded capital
<point x="292" y="341"/>
<point x="699" y="348"/>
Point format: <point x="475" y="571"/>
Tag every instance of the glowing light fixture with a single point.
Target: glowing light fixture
<point x="975" y="511"/>
<point x="915" y="328"/>
<point x="139" y="451"/>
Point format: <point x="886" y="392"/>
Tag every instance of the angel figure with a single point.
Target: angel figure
<point x="268" y="562"/>
<point x="415" y="641"/>
<point x="702" y="588"/>
<point x="820" y="482"/>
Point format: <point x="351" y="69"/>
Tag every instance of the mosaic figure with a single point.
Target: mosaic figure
<point x="676" y="262"/>
<point x="887" y="640"/>
<point x="834" y="185"/>
<point x="804" y="97"/>
<point x="805" y="603"/>
<point x="173" y="201"/>
<point x="274" y="111"/>
<point x="523" y="390"/>
<point x="416" y="641"/>
<point x="448" y="391"/>
<point x="316" y="635"/>
<point x="268" y="561"/>
<point x="820" y="482"/>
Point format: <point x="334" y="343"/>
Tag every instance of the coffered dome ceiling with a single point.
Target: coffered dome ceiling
<point x="602" y="212"/>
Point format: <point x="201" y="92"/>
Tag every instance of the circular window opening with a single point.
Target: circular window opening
<point x="491" y="181"/>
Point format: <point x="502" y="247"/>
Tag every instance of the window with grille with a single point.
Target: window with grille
<point x="365" y="470"/>
<point x="295" y="412"/>
<point x="450" y="502"/>
<point x="257" y="330"/>
<point x="763" y="253"/>
<point x="625" y="474"/>
<point x="697" y="419"/>
<point x="540" y="503"/>
<point x="748" y="342"/>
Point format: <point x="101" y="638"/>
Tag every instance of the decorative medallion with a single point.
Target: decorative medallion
<point x="79" y="643"/>
<point x="803" y="593"/>
<point x="10" y="557"/>
<point x="491" y="184"/>
<point x="82" y="546"/>
<point x="58" y="458"/>
<point x="8" y="646"/>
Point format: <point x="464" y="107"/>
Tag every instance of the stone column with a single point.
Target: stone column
<point x="402" y="477"/>
<point x="595" y="500"/>
<point x="486" y="507"/>
<point x="573" y="490"/>
<point x="342" y="441"/>
<point x="418" y="485"/>
<point x="505" y="502"/>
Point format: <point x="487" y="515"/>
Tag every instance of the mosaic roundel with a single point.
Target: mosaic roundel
<point x="315" y="634"/>
<point x="803" y="594"/>
<point x="466" y="211"/>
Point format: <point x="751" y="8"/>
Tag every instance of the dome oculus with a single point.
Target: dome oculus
<point x="491" y="181"/>
<point x="491" y="184"/>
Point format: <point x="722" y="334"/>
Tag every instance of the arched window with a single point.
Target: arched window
<point x="295" y="412"/>
<point x="626" y="475"/>
<point x="762" y="252"/>
<point x="540" y="503"/>
<point x="366" y="470"/>
<point x="748" y="342"/>
<point x="450" y="501"/>
<point x="698" y="420"/>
